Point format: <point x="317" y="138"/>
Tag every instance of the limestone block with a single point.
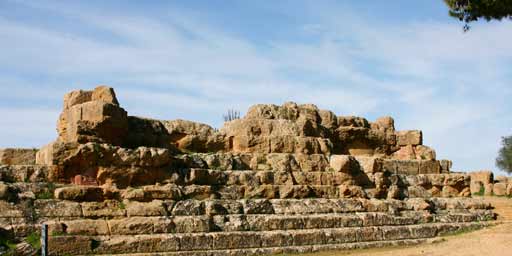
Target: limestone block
<point x="276" y="239"/>
<point x="446" y="165"/>
<point x="71" y="245"/>
<point x="284" y="178"/>
<point x="79" y="193"/>
<point x="189" y="207"/>
<point x="450" y="191"/>
<point x="386" y="122"/>
<point x="258" y="206"/>
<point x="396" y="233"/>
<point x="282" y="162"/>
<point x="418" y="191"/>
<point x="295" y="191"/>
<point x="410" y="137"/>
<point x="308" y="237"/>
<point x="235" y="240"/>
<point x="108" y="208"/>
<point x="346" y="191"/>
<point x="501" y="179"/>
<point x="153" y="208"/>
<point x="95" y="121"/>
<point x="485" y="177"/>
<point x="192" y="224"/>
<point x="499" y="189"/>
<point x="342" y="163"/>
<point x="5" y="192"/>
<point x="408" y="167"/>
<point x="197" y="192"/>
<point x="424" y="153"/>
<point x="87" y="227"/>
<point x="263" y="191"/>
<point x="406" y="152"/>
<point x="339" y="236"/>
<point x="489" y="189"/>
<point x="194" y="137"/>
<point x="17" y="156"/>
<point x="228" y="223"/>
<point x="429" y="166"/>
<point x="477" y="187"/>
<point x="223" y="207"/>
<point x="163" y="192"/>
<point x="369" y="164"/>
<point x="312" y="162"/>
<point x="53" y="208"/>
<point x="132" y="226"/>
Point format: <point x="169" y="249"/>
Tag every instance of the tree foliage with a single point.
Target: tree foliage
<point x="472" y="10"/>
<point x="504" y="159"/>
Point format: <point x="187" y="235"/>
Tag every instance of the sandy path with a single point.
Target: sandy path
<point x="495" y="240"/>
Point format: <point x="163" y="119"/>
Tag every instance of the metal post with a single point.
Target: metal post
<point x="44" y="240"/>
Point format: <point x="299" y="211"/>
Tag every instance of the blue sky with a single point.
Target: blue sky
<point x="196" y="59"/>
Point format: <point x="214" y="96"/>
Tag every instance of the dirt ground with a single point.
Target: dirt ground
<point x="495" y="240"/>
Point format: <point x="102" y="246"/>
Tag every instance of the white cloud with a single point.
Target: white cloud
<point x="429" y="75"/>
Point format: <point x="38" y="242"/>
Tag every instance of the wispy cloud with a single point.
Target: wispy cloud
<point x="176" y="64"/>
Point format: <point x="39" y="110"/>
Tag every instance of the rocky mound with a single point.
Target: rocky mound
<point x="288" y="178"/>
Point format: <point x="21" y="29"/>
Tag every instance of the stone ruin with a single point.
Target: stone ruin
<point x="282" y="179"/>
<point x="483" y="183"/>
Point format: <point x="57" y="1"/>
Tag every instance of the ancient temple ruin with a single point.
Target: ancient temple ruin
<point x="281" y="179"/>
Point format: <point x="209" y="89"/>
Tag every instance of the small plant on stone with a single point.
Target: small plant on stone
<point x="34" y="240"/>
<point x="47" y="193"/>
<point x="7" y="246"/>
<point x="58" y="233"/>
<point x="231" y="115"/>
<point x="480" y="192"/>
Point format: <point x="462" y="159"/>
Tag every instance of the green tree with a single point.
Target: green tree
<point x="473" y="10"/>
<point x="504" y="159"/>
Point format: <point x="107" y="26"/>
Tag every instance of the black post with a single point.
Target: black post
<point x="44" y="240"/>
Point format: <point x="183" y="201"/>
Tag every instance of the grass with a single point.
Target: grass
<point x="58" y="233"/>
<point x="481" y="192"/>
<point x="34" y="240"/>
<point x="9" y="244"/>
<point x="48" y="193"/>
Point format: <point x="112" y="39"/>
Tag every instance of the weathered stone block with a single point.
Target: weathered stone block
<point x="79" y="193"/>
<point x="411" y="137"/>
<point x="17" y="156"/>
<point x="109" y="209"/>
<point x="87" y="227"/>
<point x="153" y="208"/>
<point x="57" y="209"/>
<point x="73" y="245"/>
<point x="188" y="207"/>
<point x="131" y="226"/>
<point x="223" y="207"/>
<point x="499" y="189"/>
<point x="258" y="206"/>
<point x="235" y="240"/>
<point x="192" y="224"/>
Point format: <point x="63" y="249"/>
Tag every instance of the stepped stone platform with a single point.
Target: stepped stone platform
<point x="282" y="179"/>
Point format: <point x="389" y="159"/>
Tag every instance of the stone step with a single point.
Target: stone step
<point x="249" y="239"/>
<point x="251" y="222"/>
<point x="62" y="209"/>
<point x="239" y="222"/>
<point x="238" y="192"/>
<point x="290" y="249"/>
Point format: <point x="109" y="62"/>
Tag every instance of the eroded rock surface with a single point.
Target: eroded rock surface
<point x="289" y="178"/>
